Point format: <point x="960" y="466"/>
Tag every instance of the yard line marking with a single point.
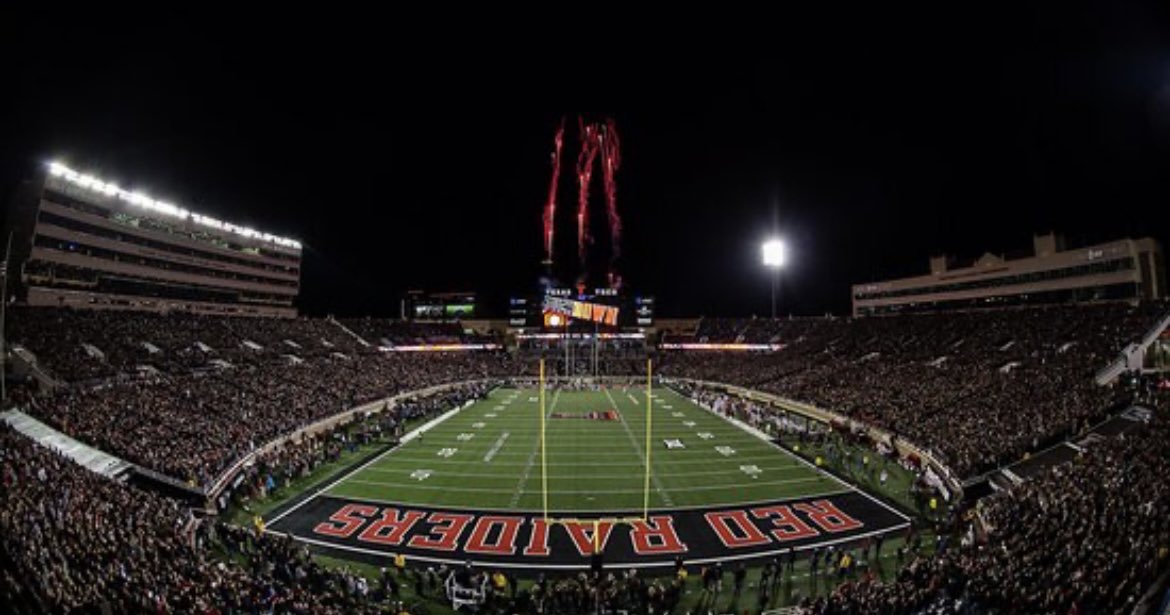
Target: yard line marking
<point x="728" y="472"/>
<point x="531" y="459"/>
<point x="617" y="452"/>
<point x="393" y="449"/>
<point x="761" y="435"/>
<point x="771" y="457"/>
<point x="496" y="447"/>
<point x="634" y="441"/>
<point x="693" y="488"/>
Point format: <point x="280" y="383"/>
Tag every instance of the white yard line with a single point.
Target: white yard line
<point x="408" y="437"/>
<point x="618" y="452"/>
<point x="634" y="441"/>
<point x="759" y="434"/>
<point x="531" y="458"/>
<point x="720" y="487"/>
<point x="496" y="447"/>
<point x="528" y="468"/>
<point x="706" y="462"/>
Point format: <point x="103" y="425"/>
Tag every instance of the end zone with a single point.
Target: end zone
<point x="524" y="540"/>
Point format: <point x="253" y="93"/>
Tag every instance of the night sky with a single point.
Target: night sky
<point x="404" y="158"/>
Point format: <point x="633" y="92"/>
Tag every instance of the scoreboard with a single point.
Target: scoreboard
<point x="446" y="306"/>
<point x="644" y="311"/>
<point x="562" y="307"/>
<point x="518" y="315"/>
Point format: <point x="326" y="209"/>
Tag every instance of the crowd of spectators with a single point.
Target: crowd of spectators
<point x="738" y="331"/>
<point x="87" y="345"/>
<point x="1087" y="537"/>
<point x="73" y="541"/>
<point x="299" y="457"/>
<point x="194" y="426"/>
<point x="386" y="331"/>
<point x="976" y="388"/>
<point x="187" y="395"/>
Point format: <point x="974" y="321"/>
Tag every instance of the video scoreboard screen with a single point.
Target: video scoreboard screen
<point x="565" y="307"/>
<point x="439" y="306"/>
<point x="644" y="311"/>
<point x="518" y="315"/>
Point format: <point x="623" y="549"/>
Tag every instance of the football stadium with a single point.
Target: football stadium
<point x="204" y="415"/>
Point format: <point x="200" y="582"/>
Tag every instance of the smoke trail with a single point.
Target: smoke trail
<point x="550" y="206"/>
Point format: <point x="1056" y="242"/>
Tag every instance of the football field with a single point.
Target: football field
<point x="487" y="456"/>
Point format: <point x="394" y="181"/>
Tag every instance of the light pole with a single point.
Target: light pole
<point x="775" y="254"/>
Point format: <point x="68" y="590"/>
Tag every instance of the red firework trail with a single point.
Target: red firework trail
<point x="611" y="159"/>
<point x="590" y="143"/>
<point x="550" y="206"/>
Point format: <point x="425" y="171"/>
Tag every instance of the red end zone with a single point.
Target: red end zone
<point x="524" y="540"/>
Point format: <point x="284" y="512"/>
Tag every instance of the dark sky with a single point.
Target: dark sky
<point x="417" y="157"/>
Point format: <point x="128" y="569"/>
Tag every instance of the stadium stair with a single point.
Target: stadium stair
<point x="1131" y="357"/>
<point x="25" y="362"/>
<point x="349" y="331"/>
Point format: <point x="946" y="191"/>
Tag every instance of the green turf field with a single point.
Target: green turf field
<point x="488" y="457"/>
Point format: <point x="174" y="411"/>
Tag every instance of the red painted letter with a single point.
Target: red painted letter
<point x="828" y="516"/>
<point x="745" y="533"/>
<point x="656" y="537"/>
<point x="448" y="527"/>
<point x="343" y="523"/>
<point x="582" y="535"/>
<point x="538" y="540"/>
<point x="397" y="527"/>
<point x="505" y="543"/>
<point x="788" y="525"/>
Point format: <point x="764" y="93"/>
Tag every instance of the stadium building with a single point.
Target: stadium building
<point x="1126" y="269"/>
<point x="81" y="241"/>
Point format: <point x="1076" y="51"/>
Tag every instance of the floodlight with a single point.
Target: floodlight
<point x="775" y="253"/>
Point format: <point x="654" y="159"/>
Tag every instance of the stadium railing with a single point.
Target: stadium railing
<point x="1131" y="357"/>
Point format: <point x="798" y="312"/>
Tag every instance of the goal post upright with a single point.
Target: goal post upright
<point x="543" y="459"/>
<point x="595" y="523"/>
<point x="649" y="423"/>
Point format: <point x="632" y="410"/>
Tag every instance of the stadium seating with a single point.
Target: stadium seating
<point x="74" y="541"/>
<point x="977" y="388"/>
<point x="408" y="333"/>
<point x="1089" y="537"/>
<point x="187" y="395"/>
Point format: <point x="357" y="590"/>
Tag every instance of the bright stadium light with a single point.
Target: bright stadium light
<point x="56" y="169"/>
<point x="775" y="254"/>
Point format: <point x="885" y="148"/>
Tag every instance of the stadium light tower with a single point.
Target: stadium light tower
<point x="775" y="255"/>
